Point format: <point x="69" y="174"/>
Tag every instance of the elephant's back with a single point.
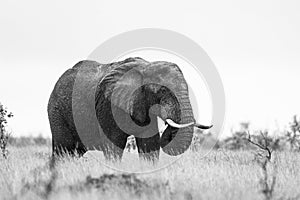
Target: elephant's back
<point x="60" y="101"/>
<point x="78" y="85"/>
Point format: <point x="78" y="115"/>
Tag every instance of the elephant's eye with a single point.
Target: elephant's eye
<point x="163" y="90"/>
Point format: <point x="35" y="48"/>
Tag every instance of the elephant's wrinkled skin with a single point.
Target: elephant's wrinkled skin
<point x="126" y="97"/>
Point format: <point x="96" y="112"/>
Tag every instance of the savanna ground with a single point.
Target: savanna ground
<point x="29" y="173"/>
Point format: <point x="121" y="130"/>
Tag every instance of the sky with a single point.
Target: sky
<point x="255" y="46"/>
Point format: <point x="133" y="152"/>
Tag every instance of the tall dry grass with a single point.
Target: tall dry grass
<point x="221" y="174"/>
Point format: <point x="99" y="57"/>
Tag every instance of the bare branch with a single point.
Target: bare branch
<point x="265" y="147"/>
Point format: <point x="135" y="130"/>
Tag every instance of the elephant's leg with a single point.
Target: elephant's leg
<point x="113" y="151"/>
<point x="148" y="148"/>
<point x="64" y="140"/>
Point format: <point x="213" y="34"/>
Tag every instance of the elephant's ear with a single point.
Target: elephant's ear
<point x="119" y="85"/>
<point x="124" y="88"/>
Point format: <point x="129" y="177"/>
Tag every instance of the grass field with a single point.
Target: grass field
<point x="221" y="174"/>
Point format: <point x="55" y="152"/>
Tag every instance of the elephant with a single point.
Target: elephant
<point x="98" y="106"/>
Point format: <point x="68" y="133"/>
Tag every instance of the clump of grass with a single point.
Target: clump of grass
<point x="129" y="183"/>
<point x="104" y="182"/>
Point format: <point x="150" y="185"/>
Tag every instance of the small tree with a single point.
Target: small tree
<point x="293" y="134"/>
<point x="3" y="133"/>
<point x="263" y="158"/>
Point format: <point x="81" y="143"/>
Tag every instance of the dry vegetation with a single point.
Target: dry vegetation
<point x="222" y="174"/>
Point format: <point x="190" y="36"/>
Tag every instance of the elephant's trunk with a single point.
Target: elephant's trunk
<point x="177" y="137"/>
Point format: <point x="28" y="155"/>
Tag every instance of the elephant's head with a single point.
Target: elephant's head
<point x="146" y="91"/>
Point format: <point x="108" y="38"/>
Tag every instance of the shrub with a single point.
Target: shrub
<point x="4" y="135"/>
<point x="292" y="136"/>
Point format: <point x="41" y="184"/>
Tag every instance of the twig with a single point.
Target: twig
<point x="265" y="147"/>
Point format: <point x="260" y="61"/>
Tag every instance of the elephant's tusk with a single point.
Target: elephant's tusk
<point x="203" y="126"/>
<point x="175" y="125"/>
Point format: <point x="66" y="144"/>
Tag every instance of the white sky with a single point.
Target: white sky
<point x="254" y="44"/>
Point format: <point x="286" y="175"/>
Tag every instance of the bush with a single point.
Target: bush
<point x="25" y="141"/>
<point x="4" y="135"/>
<point x="292" y="136"/>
